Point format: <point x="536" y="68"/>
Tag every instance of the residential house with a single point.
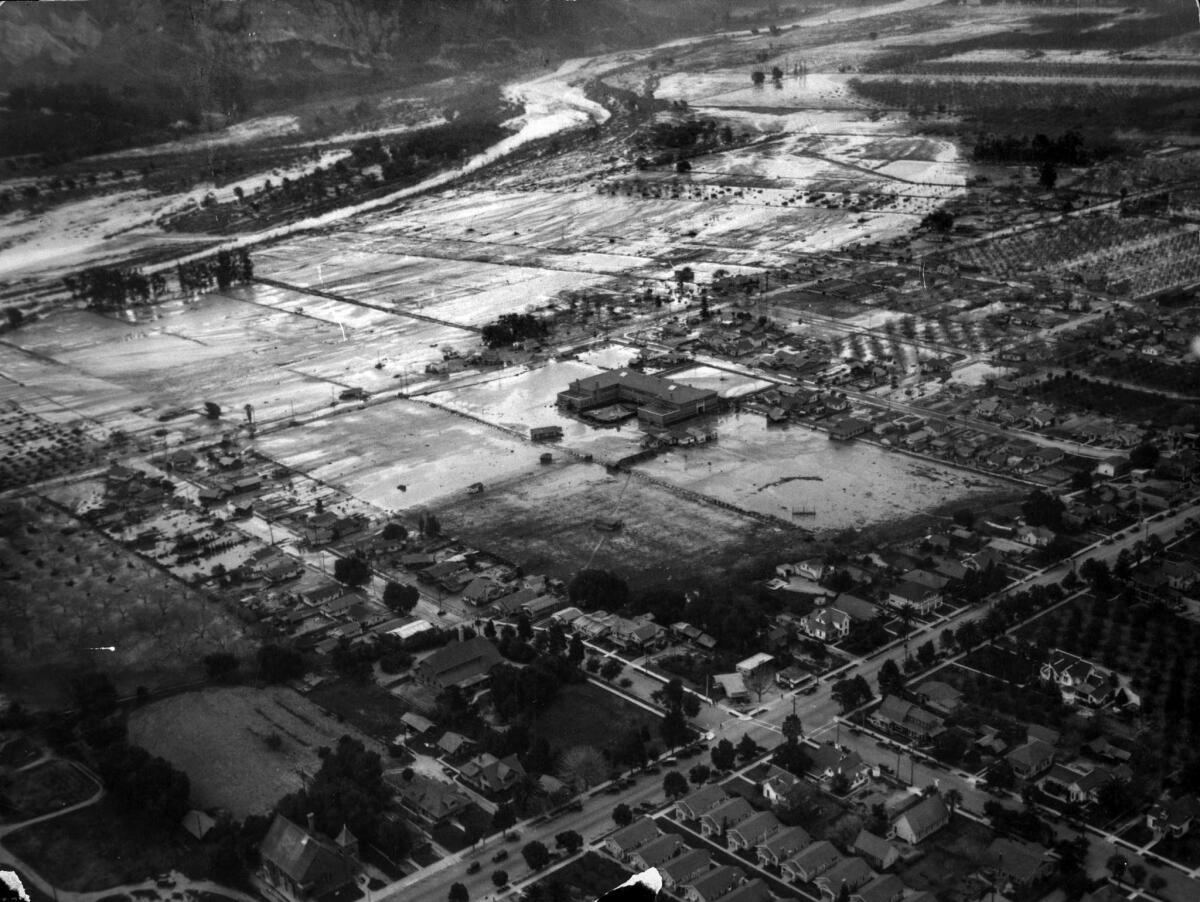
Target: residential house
<point x="713" y="884"/>
<point x="685" y="868"/>
<point x="777" y="785"/>
<point x="921" y="820"/>
<point x="545" y="605"/>
<point x="875" y="850"/>
<point x="1181" y="575"/>
<point x="1173" y="816"/>
<point x="491" y="775"/>
<point x="1030" y="760"/>
<point x="849" y="872"/>
<point x="908" y="719"/>
<point x="811" y="863"/>
<point x="1022" y="864"/>
<point x="628" y="840"/>
<point x="725" y="816"/>
<point x="733" y="685"/>
<point x="781" y="846"/>
<point x="1076" y="782"/>
<point x="416" y="724"/>
<point x="453" y="743"/>
<point x="921" y="598"/>
<point x="700" y="802"/>
<point x="482" y="590"/>
<point x="1079" y="681"/>
<point x="301" y="864"/>
<point x="826" y="624"/>
<point x="826" y="761"/>
<point x="466" y="665"/>
<point x="884" y="888"/>
<point x="791" y="676"/>
<point x="755" y="890"/>
<point x="657" y="852"/>
<point x="941" y="697"/>
<point x="426" y="799"/>
<point x="860" y="611"/>
<point x="754" y="830"/>
<point x="1035" y="536"/>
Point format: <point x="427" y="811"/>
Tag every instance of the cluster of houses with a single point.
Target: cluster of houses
<point x="772" y="850"/>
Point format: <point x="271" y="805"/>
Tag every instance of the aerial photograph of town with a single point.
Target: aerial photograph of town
<point x="493" y="450"/>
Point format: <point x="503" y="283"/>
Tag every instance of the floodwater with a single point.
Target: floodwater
<point x="786" y="471"/>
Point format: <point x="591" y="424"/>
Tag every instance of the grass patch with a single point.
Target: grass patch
<point x="370" y="709"/>
<point x="591" y="874"/>
<point x="51" y="786"/>
<point x="951" y="856"/>
<point x="1183" y="849"/>
<point x="99" y="846"/>
<point x="585" y="714"/>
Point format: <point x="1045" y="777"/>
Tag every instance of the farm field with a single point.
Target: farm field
<point x="543" y="521"/>
<point x="70" y="593"/>
<point x="218" y="738"/>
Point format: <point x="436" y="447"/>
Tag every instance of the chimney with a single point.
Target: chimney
<point x="312" y="823"/>
<point x="459" y="630"/>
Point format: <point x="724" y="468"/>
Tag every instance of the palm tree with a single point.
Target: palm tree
<point x="906" y="614"/>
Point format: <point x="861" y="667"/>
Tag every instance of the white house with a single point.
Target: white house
<point x="827" y="624"/>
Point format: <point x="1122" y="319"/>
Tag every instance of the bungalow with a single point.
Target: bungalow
<point x="428" y="800"/>
<point x="1020" y="863"/>
<point x="814" y="568"/>
<point x="941" y="697"/>
<point x="1031" y="759"/>
<point x="733" y="685"/>
<point x="826" y="624"/>
<point x="685" y="868"/>
<point x="1076" y="784"/>
<point x="725" y="816"/>
<point x="848" y="427"/>
<point x="482" y="590"/>
<point x="415" y="723"/>
<point x="700" y="802"/>
<point x="909" y="720"/>
<point x="827" y="760"/>
<point x="782" y="846"/>
<point x="657" y="852"/>
<point x="884" y="888"/>
<point x="849" y="872"/>
<point x="753" y="664"/>
<point x="1173" y="817"/>
<point x="1036" y="536"/>
<point x="1181" y="576"/>
<point x="778" y="784"/>
<point x="714" y="884"/>
<point x="811" y="863"/>
<point x="491" y="775"/>
<point x="628" y="840"/>
<point x="921" y="598"/>
<point x="754" y="830"/>
<point x="859" y="611"/>
<point x="921" y="820"/>
<point x="754" y="890"/>
<point x="875" y="850"/>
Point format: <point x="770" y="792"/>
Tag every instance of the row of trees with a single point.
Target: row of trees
<point x="115" y="288"/>
<point x="513" y="327"/>
<point x="1065" y="150"/>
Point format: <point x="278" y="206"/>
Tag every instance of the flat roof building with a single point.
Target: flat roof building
<point x="659" y="401"/>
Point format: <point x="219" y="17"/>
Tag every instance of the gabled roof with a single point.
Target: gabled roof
<point x="755" y="827"/>
<point x="716" y="882"/>
<point x="1020" y="860"/>
<point x="636" y="835"/>
<point x="853" y="872"/>
<point x="1032" y="755"/>
<point x="733" y="810"/>
<point x="925" y="815"/>
<point x="881" y="889"/>
<point x="705" y="798"/>
<point x="793" y="839"/>
<point x="686" y="864"/>
<point x="874" y="847"/>
<point x="299" y="854"/>
<point x="459" y="661"/>
<point x="660" y="850"/>
<point x="754" y="890"/>
<point x="818" y="854"/>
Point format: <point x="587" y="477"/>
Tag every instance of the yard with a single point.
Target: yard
<point x="950" y="857"/>
<point x="50" y="786"/>
<point x="98" y="847"/>
<point x="369" y="709"/>
<point x="219" y="737"/>
<point x="585" y="714"/>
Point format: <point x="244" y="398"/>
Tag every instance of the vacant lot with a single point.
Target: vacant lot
<point x="70" y="594"/>
<point x="951" y="856"/>
<point x="585" y="714"/>
<point x="98" y="847"/>
<point x="369" y="709"/>
<point x="51" y="786"/>
<point x="219" y="738"/>
<point x="544" y="522"/>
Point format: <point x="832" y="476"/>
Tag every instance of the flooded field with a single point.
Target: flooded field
<point x="788" y="472"/>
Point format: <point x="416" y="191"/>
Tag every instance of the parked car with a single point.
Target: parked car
<point x="500" y="856"/>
